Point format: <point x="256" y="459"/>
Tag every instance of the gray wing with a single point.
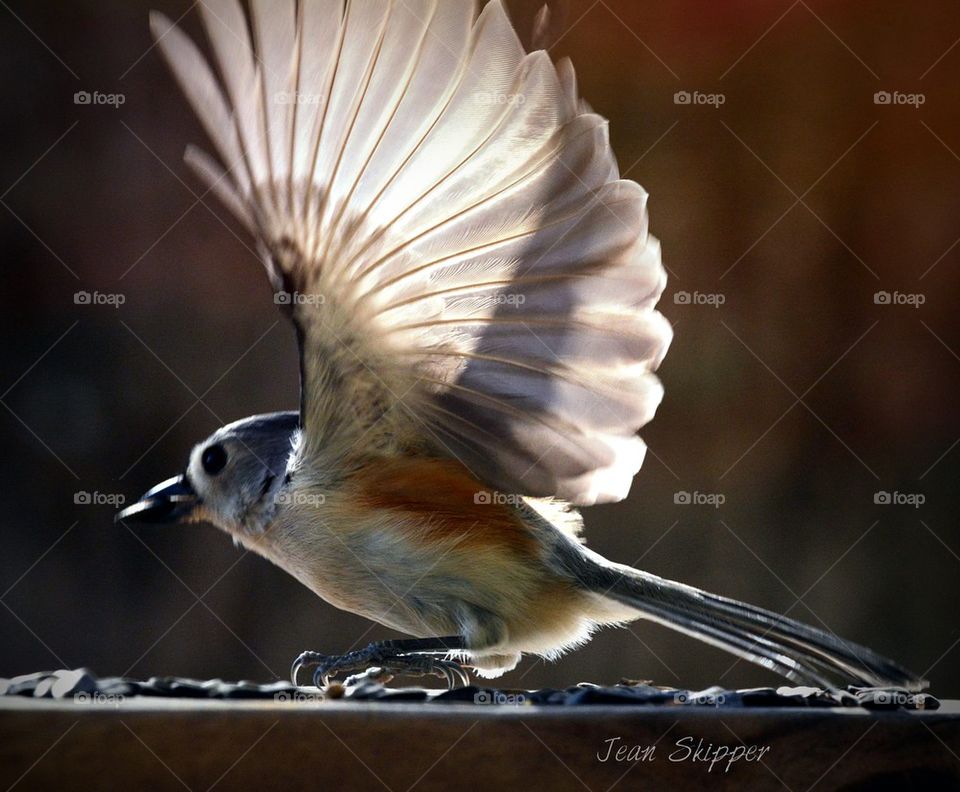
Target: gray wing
<point x="478" y="270"/>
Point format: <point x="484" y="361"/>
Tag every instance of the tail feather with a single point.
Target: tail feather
<point x="795" y="650"/>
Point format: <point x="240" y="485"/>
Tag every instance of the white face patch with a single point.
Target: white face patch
<point x="238" y="469"/>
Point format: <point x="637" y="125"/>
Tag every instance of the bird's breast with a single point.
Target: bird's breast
<point x="442" y="503"/>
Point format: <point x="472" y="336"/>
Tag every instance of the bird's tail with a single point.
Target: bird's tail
<point x="795" y="650"/>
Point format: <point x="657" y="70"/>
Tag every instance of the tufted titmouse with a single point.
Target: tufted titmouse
<point x="473" y="290"/>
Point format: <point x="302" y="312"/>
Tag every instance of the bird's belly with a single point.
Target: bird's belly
<point x="409" y="544"/>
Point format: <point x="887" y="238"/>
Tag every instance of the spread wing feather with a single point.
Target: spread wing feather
<point x="459" y="209"/>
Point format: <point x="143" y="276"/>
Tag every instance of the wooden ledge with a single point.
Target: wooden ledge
<point x="146" y="743"/>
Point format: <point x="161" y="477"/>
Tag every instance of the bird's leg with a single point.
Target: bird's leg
<point x="383" y="660"/>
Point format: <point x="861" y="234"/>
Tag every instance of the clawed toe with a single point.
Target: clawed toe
<point x="376" y="674"/>
<point x="453" y="672"/>
<point x="304" y="660"/>
<point x="377" y="663"/>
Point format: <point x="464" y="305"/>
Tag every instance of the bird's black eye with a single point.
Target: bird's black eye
<point x="213" y="459"/>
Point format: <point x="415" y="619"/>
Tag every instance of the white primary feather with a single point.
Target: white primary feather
<point x="463" y="211"/>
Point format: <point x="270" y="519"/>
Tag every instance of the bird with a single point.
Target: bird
<point x="473" y="287"/>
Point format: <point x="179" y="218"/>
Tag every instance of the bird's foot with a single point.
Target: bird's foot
<point x="378" y="662"/>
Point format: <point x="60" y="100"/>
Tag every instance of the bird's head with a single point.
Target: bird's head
<point x="229" y="478"/>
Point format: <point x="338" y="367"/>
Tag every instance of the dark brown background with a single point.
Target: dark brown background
<point x="104" y="399"/>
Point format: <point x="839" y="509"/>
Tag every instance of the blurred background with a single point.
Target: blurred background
<point x="803" y="162"/>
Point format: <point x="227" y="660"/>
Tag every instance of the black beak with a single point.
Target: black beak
<point x="168" y="502"/>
